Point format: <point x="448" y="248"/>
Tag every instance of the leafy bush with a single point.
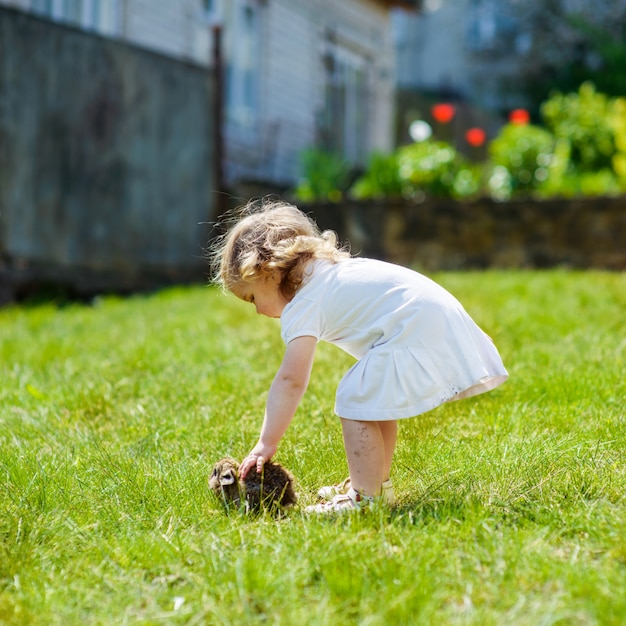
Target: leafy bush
<point x="430" y="168"/>
<point x="585" y="120"/>
<point x="381" y="180"/>
<point x="326" y="176"/>
<point x="619" y="128"/>
<point x="522" y="159"/>
<point x="468" y="182"/>
<point x="594" y="126"/>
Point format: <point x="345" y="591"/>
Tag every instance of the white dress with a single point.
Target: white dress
<point x="416" y="345"/>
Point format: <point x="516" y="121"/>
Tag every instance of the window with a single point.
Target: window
<point x="243" y="63"/>
<point x="98" y="15"/>
<point x="344" y="125"/>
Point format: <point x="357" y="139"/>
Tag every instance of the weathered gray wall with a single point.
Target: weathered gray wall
<point x="105" y="159"/>
<point x="448" y="235"/>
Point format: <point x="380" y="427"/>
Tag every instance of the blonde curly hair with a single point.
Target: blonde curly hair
<point x="266" y="236"/>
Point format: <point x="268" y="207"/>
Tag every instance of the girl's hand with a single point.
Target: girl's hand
<point x="284" y="395"/>
<point x="256" y="459"/>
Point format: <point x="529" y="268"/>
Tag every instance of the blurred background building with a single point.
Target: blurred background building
<point x="110" y="164"/>
<point x="124" y="123"/>
<point x="350" y="76"/>
<point x="297" y="72"/>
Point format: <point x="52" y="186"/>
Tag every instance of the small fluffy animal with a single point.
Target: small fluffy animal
<point x="274" y="487"/>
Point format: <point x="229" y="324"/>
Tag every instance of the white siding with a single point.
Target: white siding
<point x="291" y="93"/>
<point x="17" y="4"/>
<point x="292" y="88"/>
<point x="294" y="81"/>
<point x="166" y="26"/>
<point x="367" y="25"/>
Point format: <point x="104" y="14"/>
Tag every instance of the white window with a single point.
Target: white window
<point x="344" y="125"/>
<point x="242" y="53"/>
<point x="99" y="15"/>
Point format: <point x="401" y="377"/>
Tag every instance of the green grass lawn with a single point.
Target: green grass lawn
<point x="512" y="505"/>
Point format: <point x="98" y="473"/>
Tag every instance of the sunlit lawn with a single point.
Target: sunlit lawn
<point x="512" y="505"/>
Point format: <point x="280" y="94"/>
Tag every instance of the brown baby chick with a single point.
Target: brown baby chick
<point x="273" y="488"/>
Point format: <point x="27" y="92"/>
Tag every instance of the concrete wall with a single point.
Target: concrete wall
<point x="105" y="159"/>
<point x="448" y="235"/>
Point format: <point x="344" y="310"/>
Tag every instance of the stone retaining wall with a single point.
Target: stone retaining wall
<point x="448" y="235"/>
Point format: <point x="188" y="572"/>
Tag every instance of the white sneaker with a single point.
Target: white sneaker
<point x="344" y="503"/>
<point x="342" y="488"/>
<point x="330" y="491"/>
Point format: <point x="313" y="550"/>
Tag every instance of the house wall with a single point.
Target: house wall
<point x="91" y="15"/>
<point x="166" y="26"/>
<point x="290" y="89"/>
<point x="374" y="31"/>
<point x="293" y="80"/>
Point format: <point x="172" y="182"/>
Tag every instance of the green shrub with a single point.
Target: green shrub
<point x="522" y="160"/>
<point x="326" y="176"/>
<point x="468" y="182"/>
<point x="381" y="180"/>
<point x="618" y="121"/>
<point x="584" y="119"/>
<point x="428" y="167"/>
<point x="594" y="127"/>
<point x="435" y="168"/>
<point x="602" y="183"/>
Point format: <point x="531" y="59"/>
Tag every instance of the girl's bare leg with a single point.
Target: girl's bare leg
<point x="389" y="432"/>
<point x="369" y="449"/>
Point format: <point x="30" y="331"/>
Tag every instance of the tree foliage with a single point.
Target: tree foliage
<point x="572" y="44"/>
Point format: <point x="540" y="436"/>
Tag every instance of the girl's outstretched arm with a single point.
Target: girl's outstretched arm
<point x="285" y="394"/>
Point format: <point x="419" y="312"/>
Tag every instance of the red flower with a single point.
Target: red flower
<point x="519" y="116"/>
<point x="475" y="137"/>
<point x="443" y="113"/>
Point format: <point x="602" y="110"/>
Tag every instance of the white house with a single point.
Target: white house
<point x="298" y="73"/>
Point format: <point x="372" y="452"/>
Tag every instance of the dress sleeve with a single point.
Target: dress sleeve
<point x="301" y="317"/>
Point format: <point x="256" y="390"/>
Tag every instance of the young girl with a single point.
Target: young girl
<point x="416" y="346"/>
